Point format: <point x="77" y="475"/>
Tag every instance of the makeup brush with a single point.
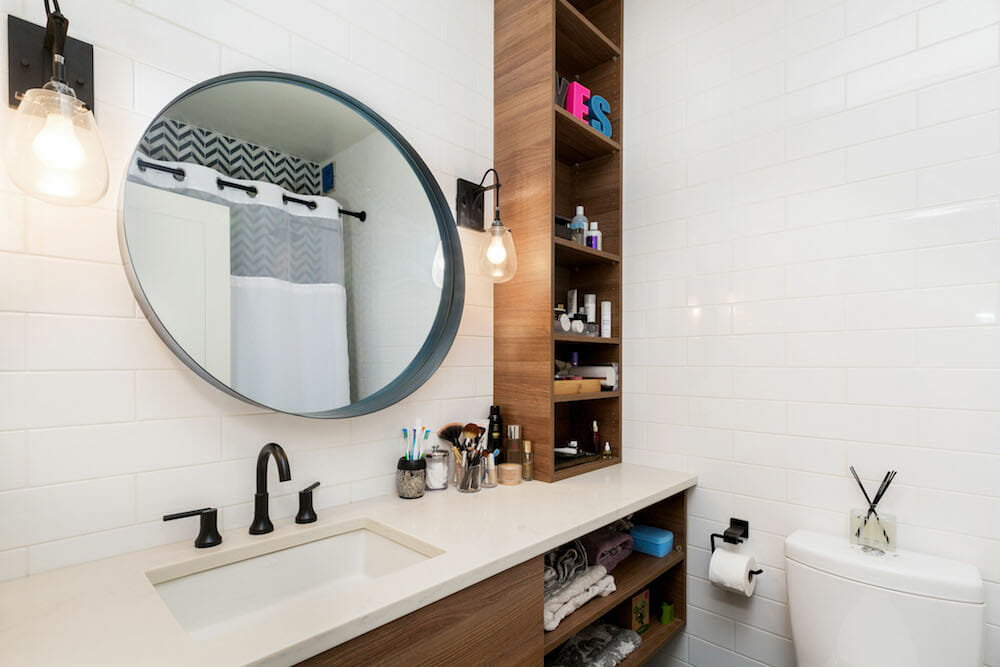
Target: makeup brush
<point x="470" y="432"/>
<point x="451" y="433"/>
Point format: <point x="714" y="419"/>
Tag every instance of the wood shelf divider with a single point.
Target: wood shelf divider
<point x="593" y="396"/>
<point x="569" y="253"/>
<point x="578" y="142"/>
<point x="587" y="340"/>
<point x="580" y="45"/>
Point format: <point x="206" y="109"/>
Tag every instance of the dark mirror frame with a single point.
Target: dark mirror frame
<point x="449" y="314"/>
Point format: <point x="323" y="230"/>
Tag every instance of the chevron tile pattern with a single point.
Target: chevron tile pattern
<point x="175" y="141"/>
<point x="265" y="241"/>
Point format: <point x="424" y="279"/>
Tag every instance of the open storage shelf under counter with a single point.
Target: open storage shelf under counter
<point x="665" y="578"/>
<point x="631" y="576"/>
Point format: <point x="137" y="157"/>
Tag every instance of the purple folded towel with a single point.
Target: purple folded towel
<point x="607" y="547"/>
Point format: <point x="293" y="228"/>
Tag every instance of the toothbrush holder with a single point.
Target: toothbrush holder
<point x="411" y="477"/>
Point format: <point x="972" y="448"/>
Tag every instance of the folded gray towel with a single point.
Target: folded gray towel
<point x="597" y="645"/>
<point x="562" y="564"/>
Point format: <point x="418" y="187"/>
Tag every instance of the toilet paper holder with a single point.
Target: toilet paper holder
<point x="738" y="531"/>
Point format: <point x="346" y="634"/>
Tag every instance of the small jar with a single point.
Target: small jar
<point x="411" y="477"/>
<point x="437" y="469"/>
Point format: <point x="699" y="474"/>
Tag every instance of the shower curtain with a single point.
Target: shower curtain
<point x="288" y="301"/>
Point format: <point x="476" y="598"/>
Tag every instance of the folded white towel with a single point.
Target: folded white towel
<point x="590" y="583"/>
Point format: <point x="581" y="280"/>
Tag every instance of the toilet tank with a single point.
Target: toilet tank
<point x="852" y="608"/>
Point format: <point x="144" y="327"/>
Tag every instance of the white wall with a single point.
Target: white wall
<point x="101" y="430"/>
<point x="812" y="280"/>
<point x="391" y="296"/>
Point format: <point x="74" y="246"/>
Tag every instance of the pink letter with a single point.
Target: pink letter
<point x="576" y="98"/>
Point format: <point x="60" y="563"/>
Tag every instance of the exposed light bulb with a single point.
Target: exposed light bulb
<point x="496" y="253"/>
<point x="56" y="145"/>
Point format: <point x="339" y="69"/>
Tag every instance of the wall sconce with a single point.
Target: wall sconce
<point x="53" y="149"/>
<point x="497" y="256"/>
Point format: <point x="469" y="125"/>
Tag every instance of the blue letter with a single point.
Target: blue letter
<point x="598" y="120"/>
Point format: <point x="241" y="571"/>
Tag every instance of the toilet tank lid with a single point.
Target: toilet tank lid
<point x="904" y="571"/>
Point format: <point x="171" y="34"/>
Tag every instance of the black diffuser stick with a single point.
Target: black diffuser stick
<point x="862" y="487"/>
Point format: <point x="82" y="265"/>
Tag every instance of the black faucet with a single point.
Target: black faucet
<point x="261" y="521"/>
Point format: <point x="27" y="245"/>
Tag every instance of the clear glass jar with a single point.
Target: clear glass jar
<point x="437" y="469"/>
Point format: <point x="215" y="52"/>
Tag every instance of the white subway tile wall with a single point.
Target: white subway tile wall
<point x="102" y="431"/>
<point x="812" y="280"/>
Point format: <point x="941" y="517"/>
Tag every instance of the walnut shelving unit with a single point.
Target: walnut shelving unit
<point x="550" y="162"/>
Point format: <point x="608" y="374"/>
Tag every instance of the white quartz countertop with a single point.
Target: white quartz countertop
<point x="108" y="613"/>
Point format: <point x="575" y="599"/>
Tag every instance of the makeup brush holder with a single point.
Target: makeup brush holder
<point x="471" y="479"/>
<point x="871" y="531"/>
<point x="411" y="478"/>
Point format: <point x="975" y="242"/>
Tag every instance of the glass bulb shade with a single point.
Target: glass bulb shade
<point x="497" y="258"/>
<point x="54" y="151"/>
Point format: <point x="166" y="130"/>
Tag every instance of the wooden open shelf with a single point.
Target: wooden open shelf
<point x="653" y="640"/>
<point x="591" y="340"/>
<point x="576" y="141"/>
<point x="555" y="163"/>
<point x="594" y="396"/>
<point x="574" y="254"/>
<point x="631" y="576"/>
<point x="580" y="45"/>
<point x="567" y="469"/>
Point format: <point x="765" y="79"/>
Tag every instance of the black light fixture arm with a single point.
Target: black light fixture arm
<point x="496" y="187"/>
<point x="56" y="29"/>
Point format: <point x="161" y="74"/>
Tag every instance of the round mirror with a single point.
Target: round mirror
<point x="290" y="246"/>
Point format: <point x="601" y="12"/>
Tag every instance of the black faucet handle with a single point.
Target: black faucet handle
<point x="306" y="512"/>
<point x="208" y="534"/>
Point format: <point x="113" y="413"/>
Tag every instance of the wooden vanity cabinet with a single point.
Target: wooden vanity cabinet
<point x="497" y="621"/>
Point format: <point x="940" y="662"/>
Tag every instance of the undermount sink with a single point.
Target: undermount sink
<point x="211" y="595"/>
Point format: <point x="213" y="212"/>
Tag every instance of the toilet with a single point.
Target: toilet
<point x="855" y="608"/>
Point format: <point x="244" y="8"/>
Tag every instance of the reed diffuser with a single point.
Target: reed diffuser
<point x="868" y="528"/>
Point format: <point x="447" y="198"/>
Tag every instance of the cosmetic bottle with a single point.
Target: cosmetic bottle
<point x="578" y="226"/>
<point x="494" y="438"/>
<point x="527" y="462"/>
<point x="607" y="450"/>
<point x="605" y="319"/>
<point x="594" y="237"/>
<point x="597" y="439"/>
<point x="513" y="446"/>
<point x="590" y="307"/>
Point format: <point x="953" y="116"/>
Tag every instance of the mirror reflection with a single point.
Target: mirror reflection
<point x="283" y="244"/>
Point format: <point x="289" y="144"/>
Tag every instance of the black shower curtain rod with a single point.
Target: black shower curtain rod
<point x="180" y="175"/>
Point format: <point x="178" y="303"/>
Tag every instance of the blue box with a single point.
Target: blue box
<point x="651" y="540"/>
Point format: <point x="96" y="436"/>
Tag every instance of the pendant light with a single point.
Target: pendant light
<point x="497" y="257"/>
<point x="53" y="149"/>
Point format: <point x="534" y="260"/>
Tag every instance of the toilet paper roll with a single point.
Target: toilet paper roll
<point x="730" y="570"/>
